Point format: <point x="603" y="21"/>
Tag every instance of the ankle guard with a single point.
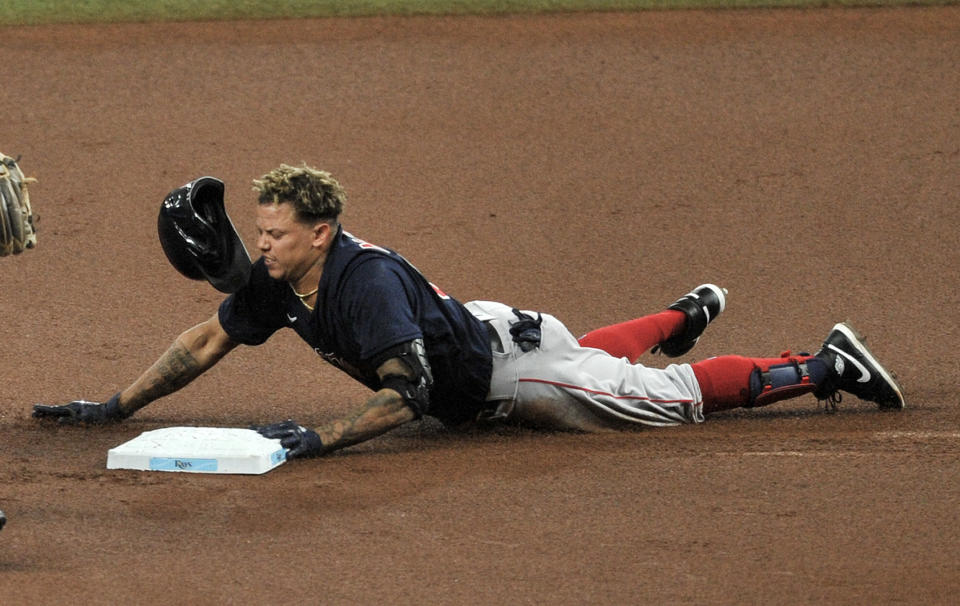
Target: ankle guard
<point x="793" y="378"/>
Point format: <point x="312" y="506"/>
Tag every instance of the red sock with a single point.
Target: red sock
<point x="725" y="380"/>
<point x="634" y="338"/>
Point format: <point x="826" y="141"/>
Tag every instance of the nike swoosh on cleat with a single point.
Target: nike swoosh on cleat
<point x="864" y="373"/>
<point x="291" y="318"/>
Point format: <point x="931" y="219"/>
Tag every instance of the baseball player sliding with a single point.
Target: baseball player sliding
<point x="368" y="311"/>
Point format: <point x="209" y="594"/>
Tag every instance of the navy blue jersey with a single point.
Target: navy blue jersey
<point x="369" y="300"/>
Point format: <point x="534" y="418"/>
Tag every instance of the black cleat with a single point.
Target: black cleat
<point x="854" y="369"/>
<point x="701" y="306"/>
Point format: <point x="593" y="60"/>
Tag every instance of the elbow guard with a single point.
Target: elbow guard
<point x="415" y="387"/>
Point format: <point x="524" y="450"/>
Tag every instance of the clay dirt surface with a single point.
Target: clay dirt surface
<point x="594" y="166"/>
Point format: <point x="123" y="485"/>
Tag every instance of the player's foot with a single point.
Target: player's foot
<point x="702" y="306"/>
<point x="854" y="369"/>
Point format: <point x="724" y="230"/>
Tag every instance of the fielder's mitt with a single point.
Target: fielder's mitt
<point x="17" y="230"/>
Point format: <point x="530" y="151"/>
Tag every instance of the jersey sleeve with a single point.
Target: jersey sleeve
<point x="253" y="313"/>
<point x="382" y="309"/>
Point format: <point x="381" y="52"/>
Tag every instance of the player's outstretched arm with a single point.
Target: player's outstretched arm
<point x="381" y="413"/>
<point x="192" y="353"/>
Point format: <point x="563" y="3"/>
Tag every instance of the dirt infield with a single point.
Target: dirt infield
<point x="592" y="166"/>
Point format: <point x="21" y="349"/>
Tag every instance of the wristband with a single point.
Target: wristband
<point x="112" y="408"/>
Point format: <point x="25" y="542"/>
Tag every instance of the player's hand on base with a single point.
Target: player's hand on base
<point x="297" y="439"/>
<point x="82" y="412"/>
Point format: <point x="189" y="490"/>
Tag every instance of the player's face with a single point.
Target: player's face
<point x="289" y="248"/>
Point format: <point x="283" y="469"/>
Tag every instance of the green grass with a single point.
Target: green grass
<point x="32" y="12"/>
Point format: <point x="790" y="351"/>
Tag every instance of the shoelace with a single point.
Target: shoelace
<point x="832" y="401"/>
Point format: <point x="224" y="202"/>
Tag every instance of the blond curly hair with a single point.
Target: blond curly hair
<point x="314" y="194"/>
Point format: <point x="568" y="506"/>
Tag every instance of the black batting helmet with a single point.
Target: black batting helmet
<point x="199" y="238"/>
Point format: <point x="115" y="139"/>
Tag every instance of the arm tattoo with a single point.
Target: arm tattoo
<point x="384" y="411"/>
<point x="174" y="370"/>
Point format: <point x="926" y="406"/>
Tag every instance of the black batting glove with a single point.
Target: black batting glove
<point x="82" y="412"/>
<point x="297" y="439"/>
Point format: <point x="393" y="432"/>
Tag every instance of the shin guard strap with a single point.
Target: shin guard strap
<point x="779" y="382"/>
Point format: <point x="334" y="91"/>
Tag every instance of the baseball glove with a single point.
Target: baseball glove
<point x="17" y="230"/>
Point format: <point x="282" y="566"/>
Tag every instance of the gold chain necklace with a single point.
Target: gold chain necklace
<point x="303" y="297"/>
